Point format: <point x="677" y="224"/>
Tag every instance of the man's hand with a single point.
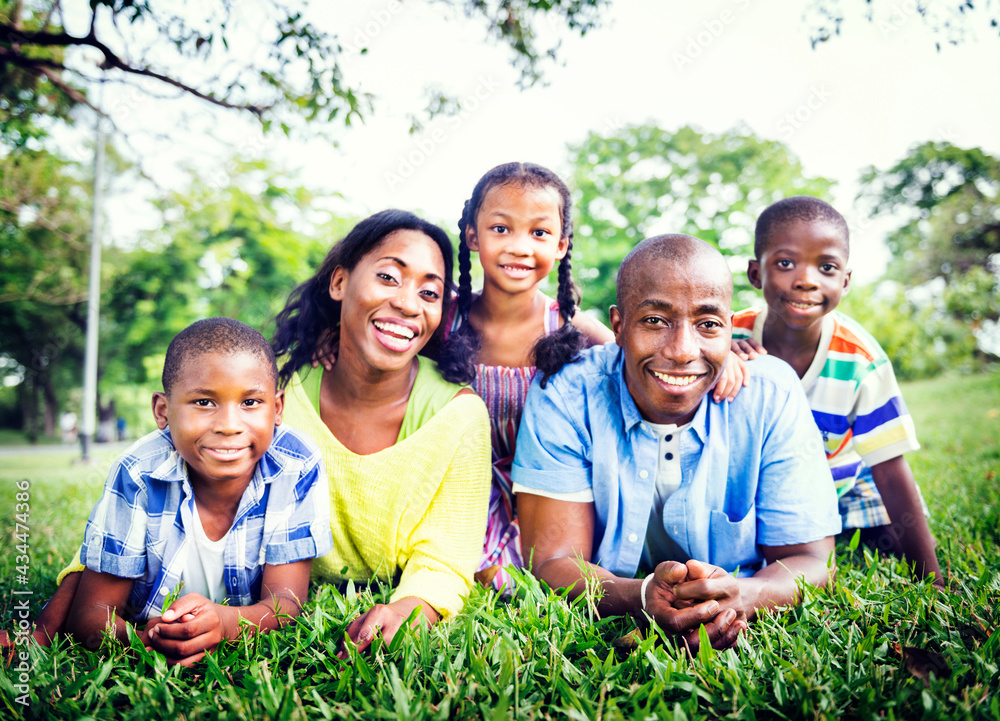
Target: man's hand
<point x="681" y="598"/>
<point x="186" y="631"/>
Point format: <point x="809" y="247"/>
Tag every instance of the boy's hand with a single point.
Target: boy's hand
<point x="189" y="629"/>
<point x="747" y="348"/>
<point x="734" y="376"/>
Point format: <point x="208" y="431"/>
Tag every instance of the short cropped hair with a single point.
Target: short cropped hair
<point x="215" y="335"/>
<point x="790" y="210"/>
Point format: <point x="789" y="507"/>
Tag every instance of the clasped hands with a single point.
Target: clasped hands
<point x="682" y="596"/>
<point x="186" y="631"/>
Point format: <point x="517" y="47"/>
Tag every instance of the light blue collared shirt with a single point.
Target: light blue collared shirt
<point x="753" y="471"/>
<point x="140" y="526"/>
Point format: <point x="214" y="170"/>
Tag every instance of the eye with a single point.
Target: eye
<point x="711" y="324"/>
<point x="203" y="402"/>
<point x="499" y="229"/>
<point x="828" y="268"/>
<point x="654" y="320"/>
<point x="784" y="264"/>
<point x="540" y="233"/>
<point x="432" y="295"/>
<point x="253" y="402"/>
<point x="386" y="277"/>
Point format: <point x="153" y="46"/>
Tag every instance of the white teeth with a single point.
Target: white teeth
<point x="394" y="329"/>
<point x="676" y="380"/>
<point x="801" y="306"/>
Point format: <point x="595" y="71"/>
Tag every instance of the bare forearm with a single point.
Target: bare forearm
<point x="895" y="484"/>
<point x="89" y="624"/>
<point x="263" y="616"/>
<point x="619" y="596"/>
<point x="777" y="584"/>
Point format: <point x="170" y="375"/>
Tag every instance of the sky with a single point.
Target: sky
<point x="863" y="98"/>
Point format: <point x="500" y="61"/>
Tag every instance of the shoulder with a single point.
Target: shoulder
<point x="851" y="339"/>
<point x="744" y="320"/>
<point x="595" y="365"/>
<point x="146" y="454"/>
<point x="289" y="442"/>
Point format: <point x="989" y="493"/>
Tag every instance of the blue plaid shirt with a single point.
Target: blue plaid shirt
<point x="753" y="471"/>
<point x="137" y="528"/>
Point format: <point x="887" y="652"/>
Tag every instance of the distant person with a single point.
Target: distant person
<point x="624" y="464"/>
<point x="122" y="429"/>
<point x="222" y="505"/>
<point x="67" y="427"/>
<point x="801" y="251"/>
<point x="406" y="449"/>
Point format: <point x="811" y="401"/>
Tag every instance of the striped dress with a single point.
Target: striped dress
<point x="504" y="390"/>
<point x="858" y="407"/>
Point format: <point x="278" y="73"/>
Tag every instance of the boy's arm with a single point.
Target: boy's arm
<point x="193" y="625"/>
<point x="896" y="486"/>
<point x="96" y="607"/>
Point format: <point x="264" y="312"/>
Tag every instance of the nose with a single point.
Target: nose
<point x="406" y="301"/>
<point x="228" y="420"/>
<point x="518" y="244"/>
<point x="681" y="346"/>
<point x="805" y="278"/>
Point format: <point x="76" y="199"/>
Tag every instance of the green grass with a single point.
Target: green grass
<point x="875" y="644"/>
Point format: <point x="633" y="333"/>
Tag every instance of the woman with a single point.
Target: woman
<point x="407" y="452"/>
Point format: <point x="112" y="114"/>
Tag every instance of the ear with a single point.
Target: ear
<point x="338" y="282"/>
<point x="160" y="409"/>
<point x="471" y="239"/>
<point x="563" y="248"/>
<point x="279" y="405"/>
<point x="753" y="273"/>
<point x="847" y="280"/>
<point x="616" y="323"/>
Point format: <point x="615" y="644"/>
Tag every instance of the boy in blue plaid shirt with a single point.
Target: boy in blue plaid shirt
<point x="221" y="505"/>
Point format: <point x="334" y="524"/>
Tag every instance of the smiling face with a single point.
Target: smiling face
<point x="802" y="271"/>
<point x="518" y="234"/>
<point x="222" y="409"/>
<point x="391" y="301"/>
<point x="674" y="325"/>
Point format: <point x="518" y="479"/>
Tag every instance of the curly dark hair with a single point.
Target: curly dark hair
<point x="310" y="313"/>
<point x="555" y="350"/>
<point x="789" y="210"/>
<point x="225" y="336"/>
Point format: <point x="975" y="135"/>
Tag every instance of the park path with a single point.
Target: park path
<point x="61" y="449"/>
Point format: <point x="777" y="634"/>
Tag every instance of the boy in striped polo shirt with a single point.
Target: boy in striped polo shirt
<point x="801" y="248"/>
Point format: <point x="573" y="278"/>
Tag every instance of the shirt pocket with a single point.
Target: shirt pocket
<point x="733" y="543"/>
<point x="155" y="548"/>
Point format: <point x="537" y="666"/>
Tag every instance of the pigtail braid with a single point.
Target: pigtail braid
<point x="556" y="350"/>
<point x="457" y="362"/>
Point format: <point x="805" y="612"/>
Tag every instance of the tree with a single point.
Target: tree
<point x="222" y="251"/>
<point x="643" y="180"/>
<point x="43" y="271"/>
<point x="296" y="68"/>
<point x="948" y="20"/>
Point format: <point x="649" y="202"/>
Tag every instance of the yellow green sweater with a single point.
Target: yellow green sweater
<point x="417" y="508"/>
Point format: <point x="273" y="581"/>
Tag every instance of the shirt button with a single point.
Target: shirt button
<point x="643" y="426"/>
<point x="669" y="456"/>
<point x="668" y="438"/>
<point x="163" y="590"/>
<point x="643" y="474"/>
<point x="633" y="538"/>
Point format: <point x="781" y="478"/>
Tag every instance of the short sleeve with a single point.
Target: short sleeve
<point x="796" y="500"/>
<point x="553" y="451"/>
<point x="882" y="426"/>
<point x="115" y="537"/>
<point x="300" y="517"/>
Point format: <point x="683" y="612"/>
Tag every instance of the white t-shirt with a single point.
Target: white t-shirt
<point x="205" y="563"/>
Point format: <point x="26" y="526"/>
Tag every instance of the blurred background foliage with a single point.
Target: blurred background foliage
<point x="238" y="249"/>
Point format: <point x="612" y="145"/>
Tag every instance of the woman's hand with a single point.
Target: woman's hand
<point x="386" y="620"/>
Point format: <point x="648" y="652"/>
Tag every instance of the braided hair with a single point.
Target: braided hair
<point x="553" y="351"/>
<point x="310" y="317"/>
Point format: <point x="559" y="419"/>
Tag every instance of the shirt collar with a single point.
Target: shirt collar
<point x="630" y="411"/>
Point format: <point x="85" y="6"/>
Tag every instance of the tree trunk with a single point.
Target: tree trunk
<point x="51" y="405"/>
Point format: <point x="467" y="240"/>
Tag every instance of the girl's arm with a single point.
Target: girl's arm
<point x="593" y="330"/>
<point x="194" y="626"/>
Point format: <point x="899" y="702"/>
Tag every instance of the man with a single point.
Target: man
<point x="623" y="462"/>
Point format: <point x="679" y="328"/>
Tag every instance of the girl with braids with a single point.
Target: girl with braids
<point x="518" y="221"/>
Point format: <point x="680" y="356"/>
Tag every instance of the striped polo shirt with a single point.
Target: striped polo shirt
<point x="853" y="395"/>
